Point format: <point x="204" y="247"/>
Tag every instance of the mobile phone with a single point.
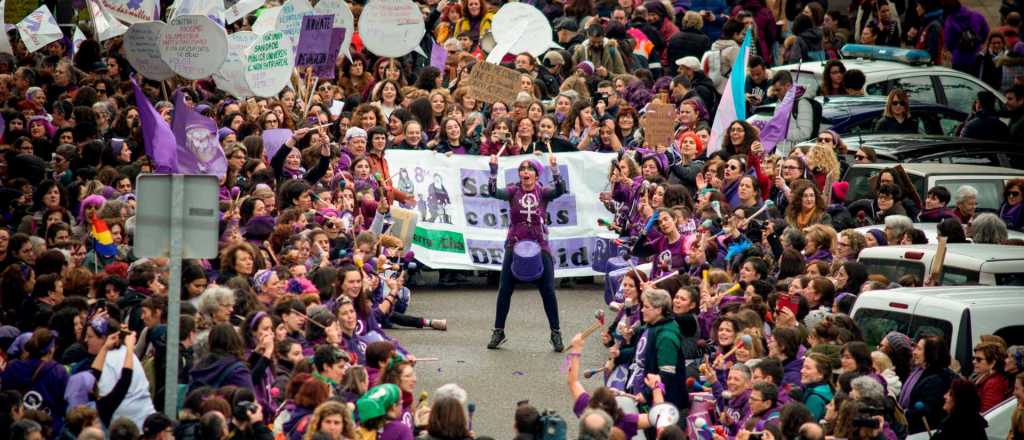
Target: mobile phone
<point x="724" y="287"/>
<point x="787" y="301"/>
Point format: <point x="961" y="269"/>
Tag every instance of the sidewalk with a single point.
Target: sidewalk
<point x="988" y="8"/>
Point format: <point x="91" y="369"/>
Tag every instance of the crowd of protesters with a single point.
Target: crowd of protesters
<point x="285" y="334"/>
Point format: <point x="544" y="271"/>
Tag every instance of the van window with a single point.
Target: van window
<point x="1013" y="335"/>
<point x="894" y="269"/>
<point x="1009" y="279"/>
<point x="955" y="276"/>
<point x="990" y="190"/>
<point x="878" y="323"/>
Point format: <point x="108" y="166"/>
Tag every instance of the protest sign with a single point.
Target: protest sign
<point x="210" y="8"/>
<point x="236" y="9"/>
<point x="289" y="20"/>
<point x="39" y="29"/>
<point x="269" y="63"/>
<point x="273" y="139"/>
<point x="460" y="227"/>
<point x="266" y="20"/>
<point x="327" y="71"/>
<point x="231" y="77"/>
<point x="659" y="124"/>
<point x="142" y="48"/>
<point x="133" y="11"/>
<point x="392" y="28"/>
<point x="438" y="57"/>
<point x="193" y="46"/>
<point x="343" y="19"/>
<point x="518" y="28"/>
<point x="491" y="83"/>
<point x="403" y="225"/>
<point x="315" y="42"/>
<point x="76" y="38"/>
<point x="106" y="26"/>
<point x="16" y="10"/>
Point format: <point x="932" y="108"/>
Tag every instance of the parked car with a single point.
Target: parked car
<point x="988" y="181"/>
<point x="960" y="314"/>
<point x="932" y="234"/>
<point x="999" y="418"/>
<point x="965" y="264"/>
<point x="857" y="115"/>
<point x="887" y="68"/>
<point x="907" y="148"/>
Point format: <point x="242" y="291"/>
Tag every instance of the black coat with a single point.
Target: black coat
<point x="891" y="125"/>
<point x="961" y="426"/>
<point x="929" y="391"/>
<point x="687" y="42"/>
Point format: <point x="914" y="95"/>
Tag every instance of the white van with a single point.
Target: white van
<point x="960" y="314"/>
<point x="965" y="264"/>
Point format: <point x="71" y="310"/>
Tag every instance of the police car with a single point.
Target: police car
<point x="888" y="68"/>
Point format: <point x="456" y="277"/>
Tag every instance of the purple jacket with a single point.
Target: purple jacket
<point x="956" y="22"/>
<point x="47" y="390"/>
<point x="791" y="369"/>
<point x="737" y="407"/>
<point x="220" y="371"/>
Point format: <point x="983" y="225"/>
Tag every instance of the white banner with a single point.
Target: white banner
<point x="460" y="227"/>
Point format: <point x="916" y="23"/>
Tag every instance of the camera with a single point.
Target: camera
<point x="242" y="410"/>
<point x="602" y="97"/>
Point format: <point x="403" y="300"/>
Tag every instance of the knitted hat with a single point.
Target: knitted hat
<point x="375" y="403"/>
<point x="899" y="341"/>
<point x="258" y="228"/>
<point x="587" y="67"/>
<point x="355" y="132"/>
<point x="879" y="236"/>
<point x="839" y="191"/>
<point x="224" y="132"/>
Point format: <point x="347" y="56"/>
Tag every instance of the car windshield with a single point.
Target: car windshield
<point x="894" y="269"/>
<point x="878" y="323"/>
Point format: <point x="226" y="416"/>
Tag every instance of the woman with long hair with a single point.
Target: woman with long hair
<point x="897" y="118"/>
<point x="962" y="408"/>
<point x="333" y="419"/>
<point x="815" y="378"/>
<point x="453" y="139"/>
<point x="807" y="207"/>
<point x="921" y="395"/>
<point x="223" y="365"/>
<point x="832" y="79"/>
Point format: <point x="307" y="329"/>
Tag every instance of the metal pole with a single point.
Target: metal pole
<point x="174" y="297"/>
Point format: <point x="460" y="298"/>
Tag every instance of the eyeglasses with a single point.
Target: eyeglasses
<point x="101" y="91"/>
<point x="899" y="103"/>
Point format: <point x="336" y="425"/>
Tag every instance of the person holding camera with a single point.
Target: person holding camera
<point x="247" y="422"/>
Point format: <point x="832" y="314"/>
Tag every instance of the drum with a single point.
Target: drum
<point x="617" y="268"/>
<point x="527" y="262"/>
<point x="663" y="415"/>
<point x="605" y="247"/>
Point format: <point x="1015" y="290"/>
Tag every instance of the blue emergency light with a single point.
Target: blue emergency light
<point x="886" y="53"/>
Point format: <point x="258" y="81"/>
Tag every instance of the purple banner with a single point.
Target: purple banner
<point x="568" y="253"/>
<point x="438" y="57"/>
<point x="315" y="41"/>
<point x="327" y="71"/>
<point x="273" y="139"/>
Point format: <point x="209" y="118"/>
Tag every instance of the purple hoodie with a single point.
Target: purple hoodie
<point x="737" y="407"/>
<point x="214" y="372"/>
<point x="956" y="22"/>
<point x="46" y="391"/>
<point x="791" y="369"/>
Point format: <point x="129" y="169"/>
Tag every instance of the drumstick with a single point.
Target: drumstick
<point x="502" y="150"/>
<point x="633" y="268"/>
<point x="599" y="316"/>
<point x="767" y="204"/>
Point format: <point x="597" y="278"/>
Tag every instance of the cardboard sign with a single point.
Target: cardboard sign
<point x="937" y="261"/>
<point x="193" y="46"/>
<point x="39" y="29"/>
<point x="491" y="83"/>
<point x="315" y="42"/>
<point x="289" y="20"/>
<point x="392" y="28"/>
<point x="659" y="124"/>
<point x="231" y="77"/>
<point x="343" y="19"/>
<point x="269" y="63"/>
<point x="133" y="11"/>
<point x="142" y="48"/>
<point x="404" y="225"/>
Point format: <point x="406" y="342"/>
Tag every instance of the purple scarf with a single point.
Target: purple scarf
<point x="908" y="386"/>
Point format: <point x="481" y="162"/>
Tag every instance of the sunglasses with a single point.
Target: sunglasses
<point x="825" y="140"/>
<point x="1013" y="194"/>
<point x="899" y="103"/>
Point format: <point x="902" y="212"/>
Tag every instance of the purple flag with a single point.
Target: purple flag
<point x="196" y="135"/>
<point x="327" y="71"/>
<point x="273" y="139"/>
<point x="438" y="57"/>
<point x="157" y="134"/>
<point x="778" y="126"/>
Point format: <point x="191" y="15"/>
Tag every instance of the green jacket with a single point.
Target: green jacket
<point x="663" y="355"/>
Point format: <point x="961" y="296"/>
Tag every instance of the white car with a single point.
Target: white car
<point x="931" y="233"/>
<point x="886" y="69"/>
<point x="998" y="417"/>
<point x="965" y="264"/>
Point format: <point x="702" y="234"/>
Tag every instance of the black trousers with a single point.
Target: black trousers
<point x="546" y="284"/>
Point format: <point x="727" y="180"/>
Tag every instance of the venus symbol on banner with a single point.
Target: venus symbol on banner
<point x="231" y="77"/>
<point x="142" y="48"/>
<point x="343" y="19"/>
<point x="193" y="46"/>
<point x="392" y="28"/>
<point x="268" y="64"/>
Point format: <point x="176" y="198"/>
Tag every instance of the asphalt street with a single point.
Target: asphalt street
<point x="524" y="368"/>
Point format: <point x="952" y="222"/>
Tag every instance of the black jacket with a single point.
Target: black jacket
<point x="687" y="42"/>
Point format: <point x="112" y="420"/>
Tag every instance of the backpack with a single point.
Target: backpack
<point x="552" y="426"/>
<point x="969" y="40"/>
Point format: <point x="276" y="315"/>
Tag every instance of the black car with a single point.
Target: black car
<point x="922" y="148"/>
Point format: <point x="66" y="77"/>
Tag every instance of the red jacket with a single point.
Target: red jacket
<point x="992" y="390"/>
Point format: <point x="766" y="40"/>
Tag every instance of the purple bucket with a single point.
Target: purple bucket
<point x="605" y="248"/>
<point x="527" y="263"/>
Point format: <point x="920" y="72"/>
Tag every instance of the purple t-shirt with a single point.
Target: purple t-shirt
<point x="628" y="423"/>
<point x="395" y="430"/>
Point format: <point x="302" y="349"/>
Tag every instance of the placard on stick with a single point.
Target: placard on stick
<point x="193" y="46"/>
<point x="491" y="83"/>
<point x="315" y="41"/>
<point x="659" y="124"/>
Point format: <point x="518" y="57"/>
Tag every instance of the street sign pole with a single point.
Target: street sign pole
<point x="174" y="297"/>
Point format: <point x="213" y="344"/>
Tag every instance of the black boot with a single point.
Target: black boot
<point x="556" y="341"/>
<point x="497" y="338"/>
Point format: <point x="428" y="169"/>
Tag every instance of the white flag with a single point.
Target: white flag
<point x="78" y="38"/>
<point x="210" y="8"/>
<point x="240" y="9"/>
<point x="39" y="29"/>
<point x="106" y="26"/>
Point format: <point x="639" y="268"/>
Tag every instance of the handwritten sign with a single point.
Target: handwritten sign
<point x="315" y="42"/>
<point x="491" y="83"/>
<point x="392" y="28"/>
<point x="289" y="21"/>
<point x="193" y="46"/>
<point x="231" y="77"/>
<point x="343" y="19"/>
<point x="132" y="11"/>
<point x="659" y="124"/>
<point x="142" y="48"/>
<point x="327" y="71"/>
<point x="267" y="20"/>
<point x="269" y="63"/>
